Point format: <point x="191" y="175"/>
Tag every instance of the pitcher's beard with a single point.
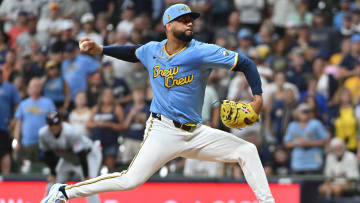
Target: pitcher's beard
<point x="183" y="36"/>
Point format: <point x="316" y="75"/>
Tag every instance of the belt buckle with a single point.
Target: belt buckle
<point x="188" y="127"/>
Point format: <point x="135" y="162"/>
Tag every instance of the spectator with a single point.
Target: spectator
<point x="320" y="101"/>
<point x="40" y="59"/>
<point x="81" y="114"/>
<point x="142" y="25"/>
<point x="56" y="52"/>
<point x="200" y="6"/>
<point x="121" y="68"/>
<point x="66" y="33"/>
<point x="135" y="122"/>
<point x="9" y="99"/>
<point x="306" y="137"/>
<point x="137" y="77"/>
<point x="105" y="122"/>
<point x="323" y="79"/>
<point x="94" y="89"/>
<point x="127" y="21"/>
<point x="339" y="16"/>
<point x="9" y="66"/>
<point x="345" y="122"/>
<point x="336" y="58"/>
<point x="347" y="28"/>
<point x="24" y="62"/>
<point x="201" y="31"/>
<point x="281" y="162"/>
<point x="303" y="39"/>
<point x="323" y="37"/>
<point x="290" y="37"/>
<point x="102" y="25"/>
<point x="53" y="23"/>
<point x="278" y="112"/>
<point x="158" y="33"/>
<point x="120" y="88"/>
<point x="230" y="31"/>
<point x="266" y="35"/>
<point x="10" y="10"/>
<point x="279" y="106"/>
<point x="356" y="19"/>
<point x="30" y="117"/>
<point x="88" y="29"/>
<point x="302" y="15"/>
<point x="349" y="66"/>
<point x="266" y="73"/>
<point x="245" y="41"/>
<point x="106" y="7"/>
<point x="298" y="72"/>
<point x="220" y="10"/>
<point x="353" y="85"/>
<point x="250" y="13"/>
<point x="4" y="46"/>
<point x="279" y="17"/>
<point x="211" y="108"/>
<point x="24" y="39"/>
<point x="239" y="89"/>
<point x="20" y="27"/>
<point x="278" y="61"/>
<point x="75" y="9"/>
<point x="55" y="87"/>
<point x="140" y="6"/>
<point x="76" y="68"/>
<point x="341" y="170"/>
<point x="20" y="85"/>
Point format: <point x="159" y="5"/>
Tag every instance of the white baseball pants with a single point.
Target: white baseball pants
<point x="164" y="142"/>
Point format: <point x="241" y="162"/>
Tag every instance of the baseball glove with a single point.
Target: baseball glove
<point x="237" y="114"/>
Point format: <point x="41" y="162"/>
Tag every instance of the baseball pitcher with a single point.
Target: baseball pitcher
<point x="178" y="69"/>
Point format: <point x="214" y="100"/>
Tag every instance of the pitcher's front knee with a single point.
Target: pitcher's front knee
<point x="250" y="148"/>
<point x="247" y="151"/>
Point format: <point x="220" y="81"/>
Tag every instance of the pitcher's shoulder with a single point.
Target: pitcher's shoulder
<point x="154" y="44"/>
<point x="202" y="45"/>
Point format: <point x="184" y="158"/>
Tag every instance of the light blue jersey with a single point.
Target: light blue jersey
<point x="179" y="80"/>
<point x="303" y="159"/>
<point x="33" y="113"/>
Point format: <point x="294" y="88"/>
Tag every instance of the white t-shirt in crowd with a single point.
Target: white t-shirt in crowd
<point x="341" y="170"/>
<point x="79" y="121"/>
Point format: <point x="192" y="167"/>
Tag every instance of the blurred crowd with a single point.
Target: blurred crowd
<point x="307" y="54"/>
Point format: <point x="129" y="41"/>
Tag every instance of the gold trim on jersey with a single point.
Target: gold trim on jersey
<point x="95" y="180"/>
<point x="136" y="54"/>
<point x="178" y="52"/>
<point x="236" y="61"/>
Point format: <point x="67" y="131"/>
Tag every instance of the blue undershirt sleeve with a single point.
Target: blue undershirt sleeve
<point x="125" y="53"/>
<point x="248" y="67"/>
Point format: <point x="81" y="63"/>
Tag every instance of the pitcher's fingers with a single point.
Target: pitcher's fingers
<point x="84" y="39"/>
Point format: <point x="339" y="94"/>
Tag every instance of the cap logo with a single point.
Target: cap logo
<point x="184" y="8"/>
<point x="169" y="18"/>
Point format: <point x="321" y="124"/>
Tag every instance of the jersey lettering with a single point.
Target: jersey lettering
<point x="169" y="79"/>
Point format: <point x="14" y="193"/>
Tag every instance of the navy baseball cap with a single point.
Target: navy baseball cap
<point x="53" y="118"/>
<point x="176" y="11"/>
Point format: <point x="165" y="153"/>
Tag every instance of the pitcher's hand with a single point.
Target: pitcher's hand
<point x="88" y="45"/>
